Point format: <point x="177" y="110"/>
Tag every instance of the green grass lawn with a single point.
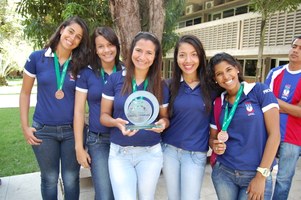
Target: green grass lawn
<point x="16" y="156"/>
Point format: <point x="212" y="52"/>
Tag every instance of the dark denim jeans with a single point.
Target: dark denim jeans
<point x="99" y="148"/>
<point x="55" y="152"/>
<point x="232" y="184"/>
<point x="288" y="158"/>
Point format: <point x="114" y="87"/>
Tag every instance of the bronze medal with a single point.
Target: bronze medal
<point x="59" y="94"/>
<point x="223" y="136"/>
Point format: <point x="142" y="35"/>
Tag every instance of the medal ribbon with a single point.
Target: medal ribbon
<point x="102" y="73"/>
<point x="145" y="84"/>
<point x="228" y="118"/>
<point x="60" y="77"/>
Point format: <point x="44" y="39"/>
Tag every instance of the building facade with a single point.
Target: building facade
<point x="231" y="26"/>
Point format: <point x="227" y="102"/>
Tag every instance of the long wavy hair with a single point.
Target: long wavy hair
<point x="154" y="72"/>
<point x="81" y="52"/>
<point x="215" y="60"/>
<point x="109" y="34"/>
<point x="201" y="72"/>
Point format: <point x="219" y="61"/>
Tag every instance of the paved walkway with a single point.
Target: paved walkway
<point x="9" y="96"/>
<point x="27" y="186"/>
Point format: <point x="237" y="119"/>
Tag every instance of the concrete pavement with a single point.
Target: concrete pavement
<point x="27" y="186"/>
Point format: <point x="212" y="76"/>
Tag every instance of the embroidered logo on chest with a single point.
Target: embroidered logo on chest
<point x="71" y="78"/>
<point x="249" y="108"/>
<point x="286" y="91"/>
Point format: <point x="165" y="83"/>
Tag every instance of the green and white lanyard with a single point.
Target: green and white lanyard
<point x="102" y="73"/>
<point x="60" y="77"/>
<point x="134" y="84"/>
<point x="228" y="117"/>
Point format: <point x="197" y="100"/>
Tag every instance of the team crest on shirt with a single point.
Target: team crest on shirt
<point x="71" y="78"/>
<point x="249" y="108"/>
<point x="286" y="91"/>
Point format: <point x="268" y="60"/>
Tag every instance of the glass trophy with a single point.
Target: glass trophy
<point x="141" y="109"/>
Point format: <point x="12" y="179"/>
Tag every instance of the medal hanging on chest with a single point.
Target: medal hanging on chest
<point x="223" y="134"/>
<point x="59" y="94"/>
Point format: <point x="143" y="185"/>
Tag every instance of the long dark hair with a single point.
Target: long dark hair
<point x="109" y="34"/>
<point x="215" y="60"/>
<point x="201" y="72"/>
<point x="80" y="53"/>
<point x="154" y="72"/>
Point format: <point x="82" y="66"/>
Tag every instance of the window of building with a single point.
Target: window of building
<point x="241" y="10"/>
<point x="189" y="23"/>
<point x="228" y="13"/>
<point x="283" y="62"/>
<point x="182" y="24"/>
<point x="197" y="20"/>
<point x="250" y="67"/>
<point x="169" y="69"/>
<point x="216" y="16"/>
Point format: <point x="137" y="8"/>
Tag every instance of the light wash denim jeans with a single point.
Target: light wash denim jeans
<point x="98" y="148"/>
<point x="57" y="150"/>
<point x="183" y="172"/>
<point x="131" y="167"/>
<point x="288" y="158"/>
<point x="232" y="184"/>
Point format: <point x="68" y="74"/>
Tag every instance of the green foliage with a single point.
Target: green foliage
<point x="268" y="7"/>
<point x="11" y="41"/>
<point x="16" y="156"/>
<point x="172" y="14"/>
<point x="43" y="16"/>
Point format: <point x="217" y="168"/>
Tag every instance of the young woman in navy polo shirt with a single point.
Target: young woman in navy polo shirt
<point x="249" y="137"/>
<point x="55" y="67"/>
<point x="89" y="86"/>
<point x="185" y="142"/>
<point x="135" y="159"/>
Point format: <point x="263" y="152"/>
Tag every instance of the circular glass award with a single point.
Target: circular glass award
<point x="141" y="109"/>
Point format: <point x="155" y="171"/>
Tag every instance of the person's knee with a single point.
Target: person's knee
<point x="49" y="180"/>
<point x="70" y="179"/>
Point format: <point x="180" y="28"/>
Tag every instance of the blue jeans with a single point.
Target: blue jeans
<point x="57" y="150"/>
<point x="131" y="167"/>
<point x="183" y="172"/>
<point x="98" y="148"/>
<point x="232" y="184"/>
<point x="288" y="158"/>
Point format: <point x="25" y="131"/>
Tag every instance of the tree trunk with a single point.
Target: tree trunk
<point x="156" y="17"/>
<point x="259" y="77"/>
<point x="126" y="17"/>
<point x="129" y="20"/>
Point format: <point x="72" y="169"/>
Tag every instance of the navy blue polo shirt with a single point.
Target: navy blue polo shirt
<point x="189" y="124"/>
<point x="92" y="84"/>
<point x="113" y="91"/>
<point x="247" y="130"/>
<point x="49" y="110"/>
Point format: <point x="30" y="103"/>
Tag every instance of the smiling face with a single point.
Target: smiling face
<point x="188" y="59"/>
<point x="105" y="50"/>
<point x="143" y="54"/>
<point x="226" y="76"/>
<point x="71" y="36"/>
